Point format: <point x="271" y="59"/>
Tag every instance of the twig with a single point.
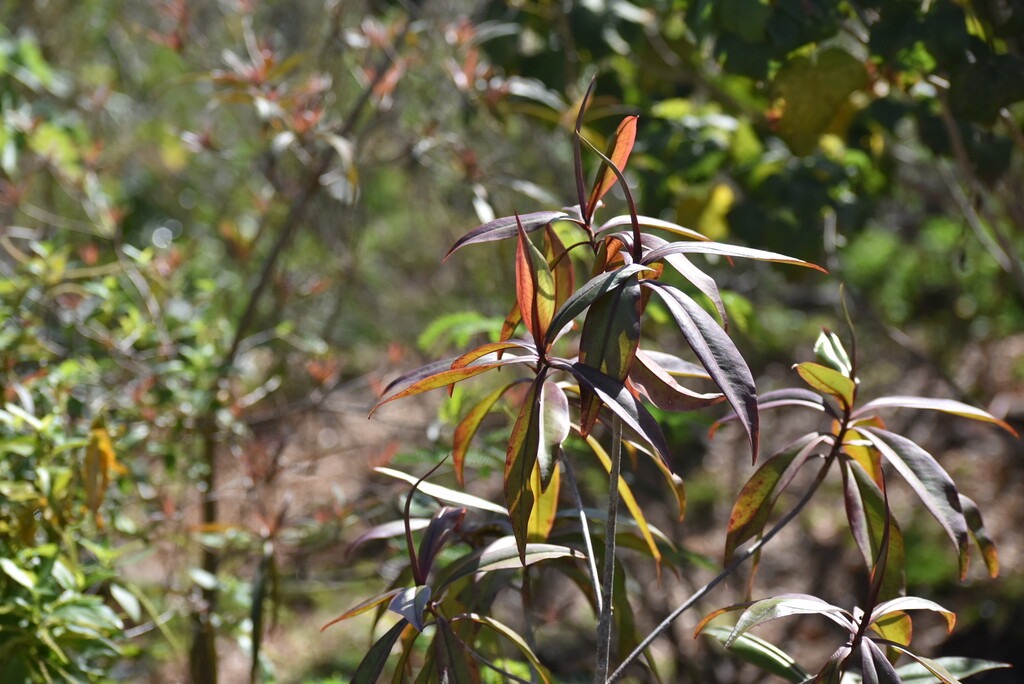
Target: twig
<point x="731" y="568"/>
<point x="604" y="623"/>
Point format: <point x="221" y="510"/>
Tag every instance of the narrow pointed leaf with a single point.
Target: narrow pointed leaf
<point x="449" y="377"/>
<point x="388" y="530"/>
<point x="620" y="146"/>
<point x="588" y="293"/>
<point x="410" y="603"/>
<point x="832" y="672"/>
<point x="373" y="662"/>
<point x="440" y="529"/>
<point x="661" y="389"/>
<point x="451" y="660"/>
<point x="554" y="429"/>
<point x="935" y="668"/>
<point x="719" y="356"/>
<point x="545" y="505"/>
<point x="495" y="351"/>
<point x="675" y="366"/>
<point x="535" y="288"/>
<point x="520" y="460"/>
<point x="698" y="278"/>
<point x="981" y="536"/>
<point x="627" y="498"/>
<point x="368" y="604"/>
<point x="924" y="403"/>
<point x="961" y="668"/>
<point x="518" y="641"/>
<point x="795" y="396"/>
<point x="763" y="654"/>
<point x="885" y="673"/>
<point x="449" y="496"/>
<point x="617" y="398"/>
<point x="651" y="222"/>
<point x="726" y="251"/>
<point x="562" y="269"/>
<point x="828" y="381"/>
<point x="467" y="429"/>
<point x="931" y="483"/>
<point x="757" y="498"/>
<point x="502" y="554"/>
<point x="505" y="227"/>
<point x="829" y="350"/>
<point x="786" y="605"/>
<point x="905" y="603"/>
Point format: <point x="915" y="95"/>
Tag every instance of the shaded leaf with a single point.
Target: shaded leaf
<point x="387" y="530"/>
<point x="866" y="512"/>
<point x="448" y="377"/>
<point x="468" y="426"/>
<point x="449" y="496"/>
<point x="545" y="505"/>
<point x="440" y="529"/>
<point x="961" y="668"/>
<point x="505" y="227"/>
<point x="514" y="637"/>
<point x="554" y="429"/>
<point x="761" y="653"/>
<point x="719" y="356"/>
<point x="875" y="663"/>
<point x="945" y="405"/>
<point x="931" y="483"/>
<point x="981" y="536"/>
<point x="661" y="389"/>
<point x="451" y="659"/>
<point x="373" y="662"/>
<point x="520" y="461"/>
<point x="587" y="294"/>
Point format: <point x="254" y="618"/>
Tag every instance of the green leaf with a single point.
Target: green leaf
<point x="719" y="356"/>
<point x="981" y="536"/>
<point x="761" y="653"/>
<point x="25" y="578"/>
<point x="520" y="459"/>
<point x="961" y="668"/>
<point x="786" y="605"/>
<point x="931" y="483"/>
<point x="373" y="662"/>
<point x="866" y="512"/>
<point x="514" y="637"/>
<point x="410" y="604"/>
<point x="828" y="381"/>
<point x="502" y="554"/>
<point x="955" y="408"/>
<point x="450" y="496"/>
<point x="757" y="498"/>
<point x="126" y="599"/>
<point x="554" y="428"/>
<point x="545" y="505"/>
<point x="829" y="350"/>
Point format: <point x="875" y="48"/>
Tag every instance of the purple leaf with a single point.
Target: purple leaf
<point x="440" y="529"/>
<point x="505" y="227"/>
<point x="410" y="604"/>
<point x="945" y="405"/>
<point x="661" y="389"/>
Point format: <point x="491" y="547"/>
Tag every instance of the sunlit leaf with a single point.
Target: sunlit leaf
<point x="545" y="505"/>
<point x="410" y="604"/>
<point x="661" y="389"/>
<point x="505" y="227"/>
<point x="468" y="426"/>
<point x="373" y="662"/>
<point x="761" y="653"/>
<point x="945" y="405"/>
<point x="981" y="536"/>
<point x="627" y="498"/>
<point x="620" y="145"/>
<point x="719" y="356"/>
<point x="448" y="377"/>
<point x="931" y="483"/>
<point x="520" y="461"/>
<point x="786" y="605"/>
<point x="502" y="554"/>
<point x="388" y="530"/>
<point x="650" y="222"/>
<point x="554" y="429"/>
<point x="757" y="498"/>
<point x="960" y="668"/>
<point x="905" y="603"/>
<point x="830" y="352"/>
<point x="587" y="294"/>
<point x="721" y="249"/>
<point x="518" y="641"/>
<point x="562" y="269"/>
<point x="535" y="288"/>
<point x="364" y="606"/>
<point x="449" y="496"/>
<point x="828" y="381"/>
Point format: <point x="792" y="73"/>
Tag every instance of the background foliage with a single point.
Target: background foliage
<point x="221" y="229"/>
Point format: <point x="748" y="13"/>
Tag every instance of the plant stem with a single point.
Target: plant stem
<point x="731" y="568"/>
<point x="585" y="527"/>
<point x="604" y="623"/>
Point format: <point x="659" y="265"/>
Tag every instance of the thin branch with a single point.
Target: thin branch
<point x="585" y="526"/>
<point x="604" y="624"/>
<point x="731" y="568"/>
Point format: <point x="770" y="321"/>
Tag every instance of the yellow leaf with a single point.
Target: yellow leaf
<point x="100" y="461"/>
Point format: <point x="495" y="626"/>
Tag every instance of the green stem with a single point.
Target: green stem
<point x="604" y="623"/>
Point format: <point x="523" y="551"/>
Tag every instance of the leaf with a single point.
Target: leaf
<point x="520" y="460"/>
<point x="440" y="529"/>
<point x="535" y="288"/>
<point x="588" y="293"/>
<point x="410" y="604"/>
<point x="451" y="659"/>
<point x="448" y="377"/>
<point x="786" y="605"/>
<point x="468" y="426"/>
<point x="100" y="461"/>
<point x="757" y="498"/>
<point x="449" y="496"/>
<point x="373" y="662"/>
<point x="931" y="483"/>
<point x="981" y="536"/>
<point x="721" y="249"/>
<point x="127" y="600"/>
<point x="554" y="429"/>
<point x="627" y="498"/>
<point x="876" y="664"/>
<point x="15" y="572"/>
<point x="661" y="389"/>
<point x="829" y="350"/>
<point x="502" y="554"/>
<point x="762" y="654"/>
<point x="545" y="506"/>
<point x="620" y="145"/>
<point x="828" y="381"/>
<point x="961" y="668"/>
<point x="514" y="637"/>
<point x="650" y="222"/>
<point x="366" y="605"/>
<point x="506" y="227"/>
<point x="618" y="399"/>
<point x="562" y="269"/>
<point x="905" y="603"/>
<point x="388" y="530"/>
<point x="719" y="356"/>
<point x="945" y="405"/>
<point x="611" y="334"/>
